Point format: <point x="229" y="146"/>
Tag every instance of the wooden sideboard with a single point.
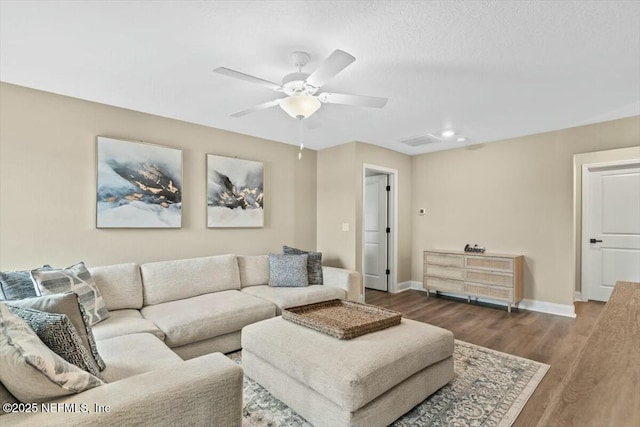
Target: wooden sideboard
<point x="602" y="386"/>
<point x="494" y="276"/>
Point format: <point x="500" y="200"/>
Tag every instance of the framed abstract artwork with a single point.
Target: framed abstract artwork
<point x="139" y="185"/>
<point x="235" y="192"/>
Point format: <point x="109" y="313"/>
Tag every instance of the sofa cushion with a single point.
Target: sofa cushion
<point x="16" y="285"/>
<point x="290" y="297"/>
<point x="314" y="263"/>
<point x="288" y="271"/>
<point x="134" y="354"/>
<point x="30" y="370"/>
<point x="75" y="278"/>
<point x="58" y="333"/>
<point x="69" y="305"/>
<point x="175" y="280"/>
<point x="120" y="285"/>
<point x="254" y="270"/>
<point x="125" y="322"/>
<point x="206" y="316"/>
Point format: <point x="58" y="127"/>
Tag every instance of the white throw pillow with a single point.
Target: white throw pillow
<point x="30" y="370"/>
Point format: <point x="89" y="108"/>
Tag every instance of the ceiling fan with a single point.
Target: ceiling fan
<point x="300" y="88"/>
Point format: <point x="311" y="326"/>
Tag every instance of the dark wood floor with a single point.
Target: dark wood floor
<point x="554" y="340"/>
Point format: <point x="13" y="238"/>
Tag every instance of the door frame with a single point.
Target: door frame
<point x="392" y="248"/>
<point x="587" y="168"/>
<point x="614" y="155"/>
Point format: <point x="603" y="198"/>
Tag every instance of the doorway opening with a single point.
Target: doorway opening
<point x="379" y="228"/>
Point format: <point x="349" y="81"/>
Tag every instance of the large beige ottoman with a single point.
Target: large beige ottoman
<point x="368" y="381"/>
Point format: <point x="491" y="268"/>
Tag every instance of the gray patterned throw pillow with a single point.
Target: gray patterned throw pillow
<point x="314" y="263"/>
<point x="288" y="271"/>
<point x="16" y="285"/>
<point x="67" y="304"/>
<point x="58" y="333"/>
<point x="77" y="279"/>
<point x="30" y="370"/>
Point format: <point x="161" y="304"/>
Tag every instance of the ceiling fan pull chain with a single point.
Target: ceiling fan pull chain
<point x="300" y="126"/>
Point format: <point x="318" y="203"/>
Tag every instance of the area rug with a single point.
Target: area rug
<point x="489" y="389"/>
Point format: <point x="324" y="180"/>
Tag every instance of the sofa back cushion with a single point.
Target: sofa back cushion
<point x="120" y="285"/>
<point x="254" y="270"/>
<point x="185" y="278"/>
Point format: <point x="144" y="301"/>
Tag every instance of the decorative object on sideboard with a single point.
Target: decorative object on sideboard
<point x="139" y="185"/>
<point x="235" y="192"/>
<point x="474" y="248"/>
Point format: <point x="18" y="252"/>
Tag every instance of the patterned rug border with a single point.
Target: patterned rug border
<point x="534" y="382"/>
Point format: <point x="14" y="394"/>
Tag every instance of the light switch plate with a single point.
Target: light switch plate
<point x="345" y="226"/>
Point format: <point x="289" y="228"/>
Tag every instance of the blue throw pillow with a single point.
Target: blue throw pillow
<point x="288" y="271"/>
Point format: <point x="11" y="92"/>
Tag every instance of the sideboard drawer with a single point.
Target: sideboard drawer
<point x="490" y="278"/>
<point x="448" y="260"/>
<point x="486" y="263"/>
<point x="446" y="272"/>
<point x="444" y="284"/>
<point x="489" y="291"/>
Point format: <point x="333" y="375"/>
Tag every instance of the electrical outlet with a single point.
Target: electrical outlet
<point x="345" y="226"/>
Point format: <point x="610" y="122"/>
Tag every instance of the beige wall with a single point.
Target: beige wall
<point x="337" y="205"/>
<point x="513" y="196"/>
<point x="47" y="186"/>
<point x="340" y="201"/>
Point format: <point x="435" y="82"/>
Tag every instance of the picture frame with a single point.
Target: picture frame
<point x="138" y="184"/>
<point x="235" y="192"/>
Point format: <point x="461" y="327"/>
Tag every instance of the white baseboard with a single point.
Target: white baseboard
<point x="548" y="307"/>
<point x="403" y="286"/>
<point x="525" y="304"/>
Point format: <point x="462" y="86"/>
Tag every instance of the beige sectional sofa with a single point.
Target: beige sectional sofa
<point x="169" y="323"/>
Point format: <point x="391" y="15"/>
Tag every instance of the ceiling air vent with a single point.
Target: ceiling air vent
<point x="421" y="140"/>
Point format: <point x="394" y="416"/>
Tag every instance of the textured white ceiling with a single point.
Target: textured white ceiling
<point x="490" y="70"/>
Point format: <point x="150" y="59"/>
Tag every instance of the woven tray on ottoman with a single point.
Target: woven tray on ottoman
<point x="342" y="319"/>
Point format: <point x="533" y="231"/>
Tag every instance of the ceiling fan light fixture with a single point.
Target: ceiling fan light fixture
<point x="301" y="106"/>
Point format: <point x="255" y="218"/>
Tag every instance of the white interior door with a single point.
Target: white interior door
<point x="375" y="233"/>
<point x="610" y="228"/>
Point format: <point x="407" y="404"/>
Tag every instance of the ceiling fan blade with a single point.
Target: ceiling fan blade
<point x="336" y="62"/>
<point x="357" y="100"/>
<point x="247" y="78"/>
<point x="257" y="108"/>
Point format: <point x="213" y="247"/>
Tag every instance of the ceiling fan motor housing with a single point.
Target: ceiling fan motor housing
<point x="294" y="84"/>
